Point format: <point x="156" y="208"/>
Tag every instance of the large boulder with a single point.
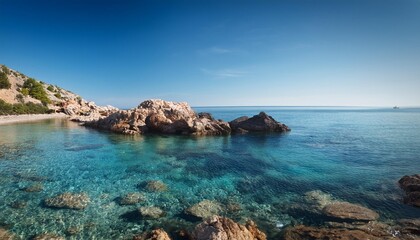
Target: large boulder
<point x="158" y="116"/>
<point x="220" y="228"/>
<point x="258" y="123"/>
<point x="68" y="200"/>
<point x="411" y="186"/>
<point x="349" y="211"/>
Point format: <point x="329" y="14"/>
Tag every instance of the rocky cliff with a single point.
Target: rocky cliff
<point x="17" y="89"/>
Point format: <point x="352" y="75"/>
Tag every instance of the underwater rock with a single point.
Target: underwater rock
<point x="411" y="186"/>
<point x="76" y="201"/>
<point x="302" y="232"/>
<point x="318" y="199"/>
<point x="158" y="116"/>
<point x="349" y="211"/>
<point x="151" y="212"/>
<point x="18" y="205"/>
<point x="37" y="187"/>
<point x="204" y="209"/>
<point x="156" y="186"/>
<point x="258" y="123"/>
<point x="157" y="234"/>
<point x="220" y="228"/>
<point x="48" y="236"/>
<point x="131" y="199"/>
<point x="6" y="235"/>
<point x="73" y="230"/>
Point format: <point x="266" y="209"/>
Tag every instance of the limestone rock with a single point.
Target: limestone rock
<point x="411" y="186"/>
<point x="131" y="199"/>
<point x="156" y="186"/>
<point x="151" y="212"/>
<point x="76" y="201"/>
<point x="258" y="123"/>
<point x="220" y="228"/>
<point x="158" y="116"/>
<point x="157" y="234"/>
<point x="204" y="209"/>
<point x="349" y="211"/>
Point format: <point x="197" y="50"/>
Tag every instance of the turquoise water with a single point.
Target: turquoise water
<point x="354" y="154"/>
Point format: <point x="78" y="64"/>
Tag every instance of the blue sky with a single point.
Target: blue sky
<point x="209" y="53"/>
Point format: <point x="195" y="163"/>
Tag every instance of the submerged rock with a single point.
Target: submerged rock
<point x="349" y="211"/>
<point x="156" y="186"/>
<point x="160" y="116"/>
<point x="6" y="235"/>
<point x="151" y="212"/>
<point x="37" y="187"/>
<point x="48" y="236"/>
<point x="258" y="123"/>
<point x="411" y="186"/>
<point x="76" y="201"/>
<point x="302" y="232"/>
<point x="318" y="199"/>
<point x="18" y="205"/>
<point x="204" y="209"/>
<point x="131" y="199"/>
<point x="157" y="234"/>
<point x="220" y="228"/>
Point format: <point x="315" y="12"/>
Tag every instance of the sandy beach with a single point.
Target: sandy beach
<point x="9" y="119"/>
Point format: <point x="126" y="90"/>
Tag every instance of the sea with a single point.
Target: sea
<point x="354" y="154"/>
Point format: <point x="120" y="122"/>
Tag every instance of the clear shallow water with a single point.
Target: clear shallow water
<point x="357" y="155"/>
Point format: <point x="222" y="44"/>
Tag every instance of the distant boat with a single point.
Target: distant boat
<point x="396" y="107"/>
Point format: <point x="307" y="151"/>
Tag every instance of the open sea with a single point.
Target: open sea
<point x="355" y="154"/>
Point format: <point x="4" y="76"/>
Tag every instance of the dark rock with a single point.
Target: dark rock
<point x="258" y="123"/>
<point x="411" y="186"/>
<point x="18" y="204"/>
<point x="76" y="201"/>
<point x="220" y="228"/>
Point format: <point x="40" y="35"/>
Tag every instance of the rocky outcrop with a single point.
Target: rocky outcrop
<point x="157" y="234"/>
<point x="80" y="110"/>
<point x="204" y="209"/>
<point x="158" y="116"/>
<point x="220" y="228"/>
<point x="258" y="123"/>
<point x="76" y="201"/>
<point x="411" y="186"/>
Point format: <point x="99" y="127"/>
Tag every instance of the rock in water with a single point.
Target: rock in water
<point x="349" y="211"/>
<point x="5" y="235"/>
<point x="76" y="201"/>
<point x="131" y="199"/>
<point x="156" y="186"/>
<point x="204" y="209"/>
<point x="220" y="228"/>
<point x="151" y="212"/>
<point x="158" y="116"/>
<point x="302" y="232"/>
<point x="411" y="186"/>
<point x="258" y="123"/>
<point x="157" y="234"/>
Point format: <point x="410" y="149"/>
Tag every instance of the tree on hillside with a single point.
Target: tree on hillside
<point x="36" y="90"/>
<point x="4" y="81"/>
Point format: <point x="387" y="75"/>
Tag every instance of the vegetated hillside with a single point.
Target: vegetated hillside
<point x="20" y="94"/>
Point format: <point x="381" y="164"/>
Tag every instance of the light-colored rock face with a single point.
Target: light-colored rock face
<point x="204" y="209"/>
<point x="220" y="228"/>
<point x="76" y="201"/>
<point x="158" y="116"/>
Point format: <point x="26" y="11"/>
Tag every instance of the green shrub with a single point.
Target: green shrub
<point x="5" y="69"/>
<point x="19" y="97"/>
<point x="20" y="108"/>
<point x="57" y="95"/>
<point x="4" y="81"/>
<point x="50" y="88"/>
<point x="24" y="91"/>
<point x="36" y="90"/>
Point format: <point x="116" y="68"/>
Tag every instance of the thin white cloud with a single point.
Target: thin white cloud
<point x="215" y="50"/>
<point x="225" y="73"/>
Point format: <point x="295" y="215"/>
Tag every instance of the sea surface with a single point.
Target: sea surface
<point x="354" y="154"/>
